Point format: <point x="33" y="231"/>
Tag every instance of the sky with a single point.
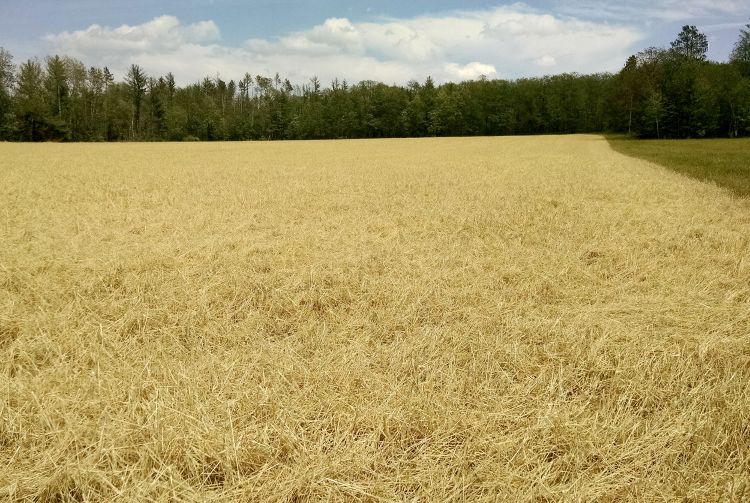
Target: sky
<point x="391" y="41"/>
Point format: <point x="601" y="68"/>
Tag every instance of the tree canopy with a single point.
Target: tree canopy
<point x="691" y="43"/>
<point x="675" y="93"/>
<point x="741" y="52"/>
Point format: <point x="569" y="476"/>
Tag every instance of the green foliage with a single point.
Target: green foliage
<point x="691" y="43"/>
<point x="660" y="93"/>
<point x="7" y="79"/>
<point x="30" y="108"/>
<point x="741" y="53"/>
<point x="56" y="87"/>
<point x="678" y="94"/>
<point x="136" y="81"/>
<point x="654" y="111"/>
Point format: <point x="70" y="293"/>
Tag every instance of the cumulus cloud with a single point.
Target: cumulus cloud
<point x="164" y="33"/>
<point x="470" y="71"/>
<point x="506" y="41"/>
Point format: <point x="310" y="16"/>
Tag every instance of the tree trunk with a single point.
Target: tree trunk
<point x="630" y="116"/>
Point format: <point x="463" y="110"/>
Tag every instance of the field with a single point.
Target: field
<point x="483" y="319"/>
<point x="725" y="162"/>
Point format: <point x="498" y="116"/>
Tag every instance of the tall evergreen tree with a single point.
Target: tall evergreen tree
<point x="691" y="43"/>
<point x="741" y="51"/>
<point x="630" y="85"/>
<point x="137" y="82"/>
<point x="79" y="100"/>
<point x="56" y="86"/>
<point x="29" y="101"/>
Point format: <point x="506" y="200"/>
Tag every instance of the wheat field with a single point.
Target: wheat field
<point x="484" y="319"/>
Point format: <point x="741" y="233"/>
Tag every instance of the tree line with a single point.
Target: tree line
<point x="673" y="92"/>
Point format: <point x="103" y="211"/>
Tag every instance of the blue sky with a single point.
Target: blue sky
<point x="391" y="40"/>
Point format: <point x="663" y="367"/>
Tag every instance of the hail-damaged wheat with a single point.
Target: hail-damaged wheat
<point x="403" y="320"/>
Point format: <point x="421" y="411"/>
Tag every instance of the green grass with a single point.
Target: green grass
<point x="723" y="161"/>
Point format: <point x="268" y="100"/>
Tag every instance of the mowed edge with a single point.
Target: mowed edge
<point x="426" y="319"/>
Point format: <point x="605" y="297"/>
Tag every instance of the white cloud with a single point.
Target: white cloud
<point x="659" y="10"/>
<point x="164" y="33"/>
<point x="545" y="61"/>
<point x="693" y="9"/>
<point x="470" y="71"/>
<point x="507" y="41"/>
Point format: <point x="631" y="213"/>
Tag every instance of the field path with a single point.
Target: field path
<point x="475" y="319"/>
